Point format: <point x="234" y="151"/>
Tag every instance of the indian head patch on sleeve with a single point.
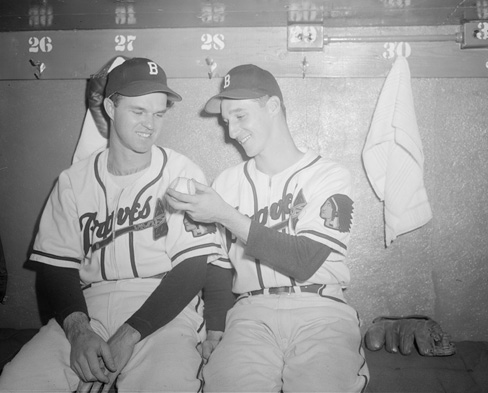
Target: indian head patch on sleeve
<point x="197" y="229"/>
<point x="337" y="212"/>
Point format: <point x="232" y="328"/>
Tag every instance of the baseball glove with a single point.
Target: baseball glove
<point x="401" y="334"/>
<point x="95" y="94"/>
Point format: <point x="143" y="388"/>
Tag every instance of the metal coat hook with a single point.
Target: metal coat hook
<point x="40" y="68"/>
<point x="304" y="67"/>
<point x="212" y="66"/>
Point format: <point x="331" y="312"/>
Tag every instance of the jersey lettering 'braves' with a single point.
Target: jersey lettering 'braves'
<point x="113" y="232"/>
<point x="312" y="198"/>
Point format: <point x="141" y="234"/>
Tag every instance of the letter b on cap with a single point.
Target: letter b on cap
<point x="226" y="81"/>
<point x="153" y="68"/>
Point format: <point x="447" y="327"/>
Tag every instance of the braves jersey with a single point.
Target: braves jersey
<point x="311" y="198"/>
<point x="110" y="232"/>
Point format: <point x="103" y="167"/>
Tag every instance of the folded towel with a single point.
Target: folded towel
<point x="393" y="156"/>
<point x="91" y="140"/>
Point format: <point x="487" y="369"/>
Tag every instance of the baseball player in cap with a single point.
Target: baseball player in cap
<point x="285" y="219"/>
<point x="119" y="269"/>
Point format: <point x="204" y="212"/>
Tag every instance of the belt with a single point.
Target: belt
<point x="314" y="288"/>
<point x="156" y="276"/>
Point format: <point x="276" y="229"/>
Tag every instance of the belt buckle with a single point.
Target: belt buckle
<point x="278" y="291"/>
<point x="284" y="290"/>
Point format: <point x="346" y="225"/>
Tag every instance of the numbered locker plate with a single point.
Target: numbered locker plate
<point x="211" y="52"/>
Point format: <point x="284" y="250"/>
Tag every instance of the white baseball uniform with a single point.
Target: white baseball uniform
<point x="294" y="342"/>
<point x="122" y="240"/>
<point x="115" y="233"/>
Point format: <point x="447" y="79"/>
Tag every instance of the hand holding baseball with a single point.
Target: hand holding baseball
<point x="200" y="201"/>
<point x="183" y="185"/>
<point x="207" y="206"/>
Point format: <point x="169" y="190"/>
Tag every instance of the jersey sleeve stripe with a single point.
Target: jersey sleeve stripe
<point x="57" y="257"/>
<point x="328" y="238"/>
<point x="200" y="246"/>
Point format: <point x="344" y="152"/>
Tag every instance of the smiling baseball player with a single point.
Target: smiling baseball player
<point x="285" y="219"/>
<point x="122" y="272"/>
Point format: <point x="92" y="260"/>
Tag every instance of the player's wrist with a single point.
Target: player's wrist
<point x="214" y="335"/>
<point x="236" y="222"/>
<point x="129" y="333"/>
<point x="76" y="324"/>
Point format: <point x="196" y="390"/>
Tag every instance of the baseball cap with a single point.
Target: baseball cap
<point x="245" y="82"/>
<point x="136" y="77"/>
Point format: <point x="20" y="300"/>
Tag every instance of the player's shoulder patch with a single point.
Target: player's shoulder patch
<point x="197" y="229"/>
<point x="337" y="212"/>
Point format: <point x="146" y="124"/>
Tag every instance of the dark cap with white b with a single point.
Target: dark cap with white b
<point x="138" y="76"/>
<point x="242" y="83"/>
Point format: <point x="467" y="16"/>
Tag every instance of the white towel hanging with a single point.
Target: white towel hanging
<point x="393" y="156"/>
<point x="91" y="140"/>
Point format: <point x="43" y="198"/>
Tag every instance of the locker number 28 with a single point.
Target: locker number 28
<point x="215" y="41"/>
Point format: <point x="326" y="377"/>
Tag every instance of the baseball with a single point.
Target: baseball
<point x="183" y="185"/>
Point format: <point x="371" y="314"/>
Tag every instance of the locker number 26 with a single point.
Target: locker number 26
<point x="43" y="44"/>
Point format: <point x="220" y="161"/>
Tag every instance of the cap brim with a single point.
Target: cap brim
<point x="214" y="103"/>
<point x="147" y="87"/>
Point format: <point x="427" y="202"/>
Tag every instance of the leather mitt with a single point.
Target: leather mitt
<point x="96" y="93"/>
<point x="402" y="334"/>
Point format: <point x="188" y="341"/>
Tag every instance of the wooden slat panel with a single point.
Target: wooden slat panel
<point x="184" y="52"/>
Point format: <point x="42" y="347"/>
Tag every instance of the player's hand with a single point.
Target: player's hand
<point x="213" y="338"/>
<point x="203" y="206"/>
<point x="121" y="345"/>
<point x="207" y="206"/>
<point x="90" y="355"/>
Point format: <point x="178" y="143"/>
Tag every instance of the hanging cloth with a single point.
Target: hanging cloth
<point x="393" y="156"/>
<point x="94" y="135"/>
<point x="90" y="139"/>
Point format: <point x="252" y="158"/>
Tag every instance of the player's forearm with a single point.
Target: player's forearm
<point x="218" y="296"/>
<point x="61" y="288"/>
<point x="234" y="221"/>
<point x="171" y="296"/>
<point x="295" y="256"/>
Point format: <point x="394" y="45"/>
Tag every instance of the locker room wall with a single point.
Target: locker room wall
<point x="439" y="270"/>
